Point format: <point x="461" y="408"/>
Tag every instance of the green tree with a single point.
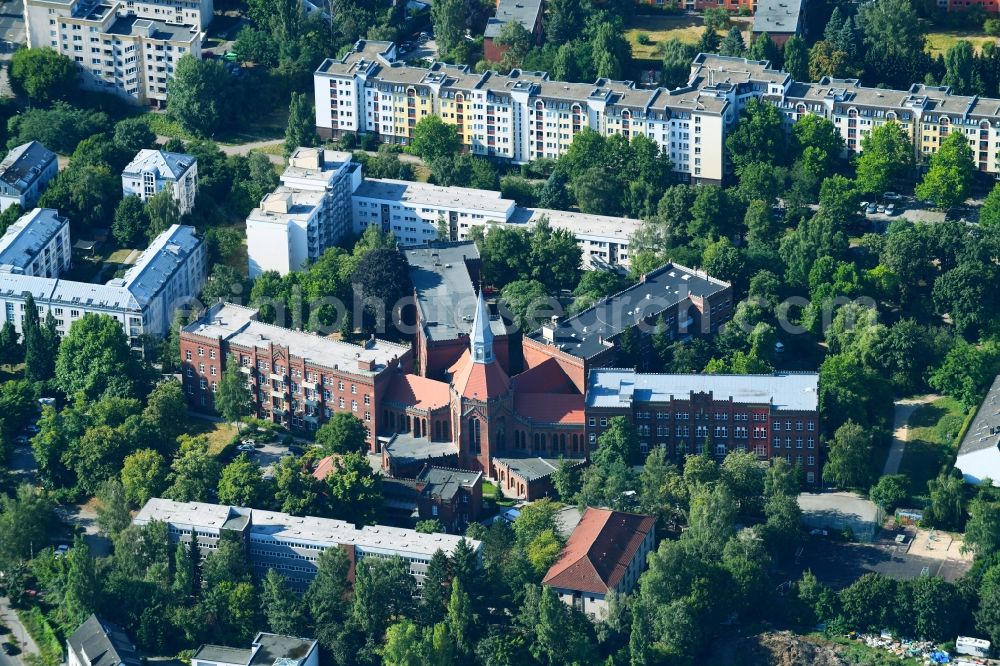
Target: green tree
<point x="82" y="594"/>
<point x="566" y="480"/>
<point x="25" y="520"/>
<point x="132" y="135"/>
<point x="967" y="371"/>
<point x="353" y="490"/>
<point x="327" y="595"/>
<point x="676" y="67"/>
<point x="301" y="129"/>
<point x="143" y="476"/>
<point x="989" y="214"/>
<point x="241" y="484"/>
<point x="759" y="136"/>
<point x="380" y="281"/>
<point x="517" y="41"/>
<point x="982" y="530"/>
<point x="459" y="618"/>
<point x="744" y="475"/>
<point x="847" y="461"/>
<point x="95" y="360"/>
<point x="383" y="592"/>
<point x="733" y="44"/>
<point x="448" y="18"/>
<point x="886" y="157"/>
<point x="199" y="95"/>
<point x="296" y="491"/>
<point x="947" y="181"/>
<point x="283" y="608"/>
<point x="610" y="51"/>
<point x="162" y="212"/>
<point x="130" y="222"/>
<point x="947" y="501"/>
<point x="232" y="399"/>
<point x="112" y="515"/>
<point x="869" y="602"/>
<point x="343" y="433"/>
<point x="433" y="138"/>
<point x="528" y="303"/>
<point x="890" y="491"/>
<point x="60" y="128"/>
<point x="797" y="58"/>
<point x="435" y="593"/>
<point x="43" y="75"/>
<point x="194" y="473"/>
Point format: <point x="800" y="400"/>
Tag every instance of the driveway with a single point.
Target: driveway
<point x="22" y="465"/>
<point x="85" y="516"/>
<point x="902" y="410"/>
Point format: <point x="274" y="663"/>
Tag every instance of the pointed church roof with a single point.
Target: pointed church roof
<point x="480" y="381"/>
<point x="481" y="337"/>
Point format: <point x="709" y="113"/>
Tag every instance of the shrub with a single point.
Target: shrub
<point x="643" y="39"/>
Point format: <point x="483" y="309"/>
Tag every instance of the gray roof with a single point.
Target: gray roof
<point x="100" y="643"/>
<point x="68" y="292"/>
<point x="525" y="12"/>
<point x="238" y="325"/>
<point x="24" y="164"/>
<point x="444" y="291"/>
<point x="588" y="333"/>
<point x="404" y="447"/>
<point x="28" y="236"/>
<point x="791" y="391"/>
<point x="488" y="202"/>
<point x="984" y="431"/>
<point x="158" y="263"/>
<point x="133" y="25"/>
<point x="223" y="654"/>
<point x="171" y="166"/>
<point x="777" y="16"/>
<point x="533" y="469"/>
<point x="281" y="650"/>
<point x="445" y="482"/>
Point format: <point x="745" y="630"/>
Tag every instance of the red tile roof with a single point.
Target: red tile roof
<point x="599" y="551"/>
<point x="566" y="409"/>
<point x="546" y="377"/>
<point x="324" y="467"/>
<point x="417" y="391"/>
<point x="478" y="380"/>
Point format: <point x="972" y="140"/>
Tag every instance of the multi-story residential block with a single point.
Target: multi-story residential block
<point x="166" y="277"/>
<point x="309" y="213"/>
<point x="606" y="552"/>
<point x="289" y="544"/>
<point x="37" y="244"/>
<point x="526" y="12"/>
<point x="117" y="49"/>
<point x="979" y="452"/>
<point x="265" y="650"/>
<point x="152" y="171"/>
<point x="97" y="642"/>
<point x="684" y="302"/>
<point x="24" y="173"/>
<point x="296" y="379"/>
<point x="770" y="415"/>
<point x="518" y="116"/>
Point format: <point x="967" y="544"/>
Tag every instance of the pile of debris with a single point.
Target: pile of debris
<point x="905" y="648"/>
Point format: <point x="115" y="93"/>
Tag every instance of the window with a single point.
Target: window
<point x="201" y="368"/>
<point x="187" y="355"/>
<point x="201" y="351"/>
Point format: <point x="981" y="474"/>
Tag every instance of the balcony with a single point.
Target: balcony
<point x="246" y="369"/>
<point x="277" y="394"/>
<point x="279" y="377"/>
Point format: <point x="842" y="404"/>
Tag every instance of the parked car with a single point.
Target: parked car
<point x="871" y="209"/>
<point x="864" y="205"/>
<point x="9" y="649"/>
<point x="890" y="209"/>
<point x="21" y="440"/>
<point x="245" y="447"/>
<point x="891" y="196"/>
<point x="880" y="208"/>
<point x="61" y="550"/>
<point x="32" y="429"/>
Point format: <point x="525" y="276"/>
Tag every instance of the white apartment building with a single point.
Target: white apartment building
<point x="290" y="544"/>
<point x="309" y="213"/>
<point x="168" y="275"/>
<point x="37" y="244"/>
<point x="520" y="116"/>
<point x="152" y="171"/>
<point x="117" y="50"/>
<point x="24" y="173"/>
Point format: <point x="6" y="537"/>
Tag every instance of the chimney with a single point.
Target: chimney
<point x="277" y="202"/>
<point x="549" y="333"/>
<point x="307" y="158"/>
<point x="367" y="364"/>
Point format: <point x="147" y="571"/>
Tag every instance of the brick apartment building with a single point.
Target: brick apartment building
<point x="687" y="302"/>
<point x="771" y="415"/>
<point x="296" y="379"/>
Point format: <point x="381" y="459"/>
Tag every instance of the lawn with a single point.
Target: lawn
<point x="932" y="442"/>
<point x="687" y="29"/>
<point x="939" y="42"/>
<point x="218" y="434"/>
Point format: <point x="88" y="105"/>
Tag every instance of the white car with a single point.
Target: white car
<point x="62" y="550"/>
<point x="245" y="447"/>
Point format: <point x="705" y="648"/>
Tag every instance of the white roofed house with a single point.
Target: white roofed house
<point x="24" y="173"/>
<point x="154" y="170"/>
<point x="979" y="454"/>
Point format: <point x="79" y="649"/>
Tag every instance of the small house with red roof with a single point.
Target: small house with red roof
<point x="607" y="551"/>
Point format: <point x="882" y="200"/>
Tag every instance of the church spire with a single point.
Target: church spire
<point x="481" y="337"/>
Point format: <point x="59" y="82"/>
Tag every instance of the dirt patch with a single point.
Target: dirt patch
<point x="779" y="648"/>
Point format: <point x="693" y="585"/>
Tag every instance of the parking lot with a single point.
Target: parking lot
<point x="268" y="452"/>
<point x="922" y="552"/>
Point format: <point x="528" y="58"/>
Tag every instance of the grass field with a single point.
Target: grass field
<point x="218" y="434"/>
<point x="939" y="42"/>
<point x="687" y="29"/>
<point x="931" y="444"/>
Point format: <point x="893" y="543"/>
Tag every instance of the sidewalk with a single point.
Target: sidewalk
<point x="19" y="634"/>
<point x="903" y="409"/>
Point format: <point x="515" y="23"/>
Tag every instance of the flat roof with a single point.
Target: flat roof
<point x="329" y="164"/>
<point x="24" y="164"/>
<point x="238" y="325"/>
<point x="525" y="12"/>
<point x="27" y="237"/>
<point x="984" y="431"/>
<point x="488" y="202"/>
<point x="278" y="650"/>
<point x="792" y="391"/>
<point x="303" y="205"/>
<point x="580" y="224"/>
<point x="201" y="514"/>
<point x="404" y="447"/>
<point x="777" y="16"/>
<point x="444" y="291"/>
<point x="170" y="32"/>
<point x="67" y="292"/>
<point x="588" y="333"/>
<point x="534" y="468"/>
<point x="223" y="654"/>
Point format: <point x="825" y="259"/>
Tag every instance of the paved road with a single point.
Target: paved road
<point x="23" y="466"/>
<point x="902" y="410"/>
<point x="84" y="516"/>
<point x="18" y="635"/>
